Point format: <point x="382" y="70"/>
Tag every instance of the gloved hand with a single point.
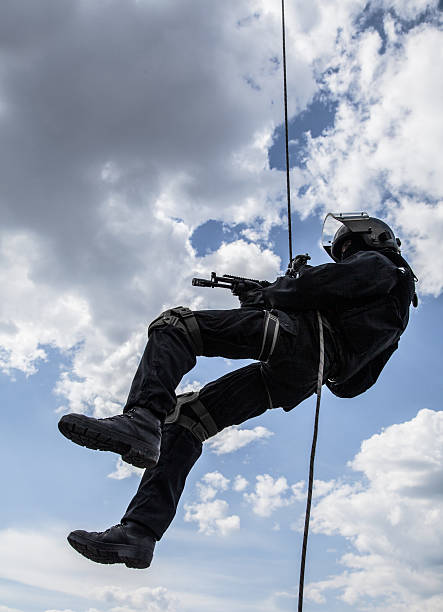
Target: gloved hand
<point x="249" y="293"/>
<point x="296" y="264"/>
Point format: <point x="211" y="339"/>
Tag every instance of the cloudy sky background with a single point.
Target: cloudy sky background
<point x="141" y="145"/>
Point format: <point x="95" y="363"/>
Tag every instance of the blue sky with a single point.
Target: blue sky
<point x="142" y="146"/>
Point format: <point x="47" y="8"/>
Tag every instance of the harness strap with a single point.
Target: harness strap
<point x="200" y="423"/>
<point x="206" y="421"/>
<point x="270" y="335"/>
<point x="265" y="385"/>
<point x="183" y="317"/>
<point x="191" y="324"/>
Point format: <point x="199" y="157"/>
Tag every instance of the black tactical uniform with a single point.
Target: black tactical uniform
<point x="364" y="304"/>
<point x="365" y="300"/>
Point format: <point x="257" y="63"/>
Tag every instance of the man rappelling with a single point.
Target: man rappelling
<point x="363" y="301"/>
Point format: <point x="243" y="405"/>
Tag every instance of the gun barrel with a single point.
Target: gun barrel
<point x="201" y="282"/>
<point x="215" y="281"/>
<point x="227" y="281"/>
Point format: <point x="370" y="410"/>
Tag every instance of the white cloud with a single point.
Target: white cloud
<point x="212" y="514"/>
<point x="118" y="599"/>
<point x="321" y="488"/>
<point x="6" y="609"/>
<point x="240" y="483"/>
<point x="157" y="599"/>
<point x="406" y="9"/>
<point x="392" y="518"/>
<point x="248" y="259"/>
<point x="189" y="387"/>
<point x="42" y="559"/>
<point x="101" y="373"/>
<point x="211" y="484"/>
<point x="63" y="315"/>
<point x="382" y="154"/>
<point x="422" y="225"/>
<point x="212" y="517"/>
<point x="269" y="495"/>
<point x="233" y="438"/>
<point x="125" y="470"/>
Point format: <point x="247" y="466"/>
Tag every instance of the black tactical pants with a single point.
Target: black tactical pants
<point x="286" y="379"/>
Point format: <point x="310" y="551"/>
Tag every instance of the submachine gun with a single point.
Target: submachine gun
<point x="228" y="281"/>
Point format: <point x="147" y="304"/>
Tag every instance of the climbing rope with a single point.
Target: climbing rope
<point x="311" y="463"/>
<point x="285" y="97"/>
<point x="320" y="330"/>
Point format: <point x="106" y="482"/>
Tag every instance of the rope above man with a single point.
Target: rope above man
<point x="363" y="300"/>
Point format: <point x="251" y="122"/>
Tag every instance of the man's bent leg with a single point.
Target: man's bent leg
<point x="177" y="337"/>
<point x="171" y="352"/>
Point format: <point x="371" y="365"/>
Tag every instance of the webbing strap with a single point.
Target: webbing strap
<point x="265" y="385"/>
<point x="205" y="418"/>
<point x="194" y="427"/>
<point x="191" y="325"/>
<point x="184" y="318"/>
<point x="270" y="335"/>
<point x="202" y="426"/>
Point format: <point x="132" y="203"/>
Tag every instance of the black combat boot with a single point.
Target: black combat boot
<point x="135" y="435"/>
<point x="128" y="544"/>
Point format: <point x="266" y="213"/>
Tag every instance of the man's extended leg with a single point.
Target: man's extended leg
<point x="233" y="398"/>
<point x="132" y="542"/>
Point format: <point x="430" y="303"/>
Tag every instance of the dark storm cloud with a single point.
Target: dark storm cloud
<point x="86" y="83"/>
<point x="110" y="112"/>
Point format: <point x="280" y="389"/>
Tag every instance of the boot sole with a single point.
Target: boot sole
<point x="134" y="557"/>
<point x="85" y="432"/>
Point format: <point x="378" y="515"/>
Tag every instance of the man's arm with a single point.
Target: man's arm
<point x="365" y="275"/>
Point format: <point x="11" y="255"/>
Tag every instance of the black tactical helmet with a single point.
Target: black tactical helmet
<point x="369" y="232"/>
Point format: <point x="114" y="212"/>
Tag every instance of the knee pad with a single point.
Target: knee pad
<point x="196" y="418"/>
<point x="184" y="319"/>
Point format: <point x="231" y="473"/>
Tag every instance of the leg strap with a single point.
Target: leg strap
<point x="197" y="419"/>
<point x="270" y="335"/>
<point x="184" y="318"/>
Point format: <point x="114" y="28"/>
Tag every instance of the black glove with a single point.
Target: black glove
<point x="249" y="293"/>
<point x="296" y="265"/>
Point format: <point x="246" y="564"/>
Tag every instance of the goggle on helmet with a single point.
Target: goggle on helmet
<point x="339" y="227"/>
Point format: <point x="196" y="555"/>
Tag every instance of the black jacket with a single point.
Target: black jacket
<point x="366" y="298"/>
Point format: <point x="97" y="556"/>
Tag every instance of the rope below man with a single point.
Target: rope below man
<point x="363" y="300"/>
